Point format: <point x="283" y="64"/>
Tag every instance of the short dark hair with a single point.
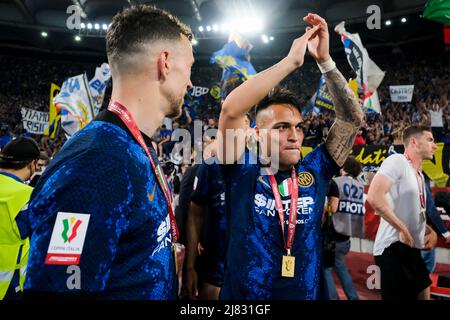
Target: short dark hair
<point x="352" y="166"/>
<point x="139" y="25"/>
<point x="410" y="131"/>
<point x="279" y="95"/>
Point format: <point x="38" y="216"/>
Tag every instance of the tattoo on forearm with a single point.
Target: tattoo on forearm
<point x="340" y="140"/>
<point x="346" y="105"/>
<point x="349" y="116"/>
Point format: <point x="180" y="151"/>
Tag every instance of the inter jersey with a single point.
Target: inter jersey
<point x="256" y="245"/>
<point x="98" y="206"/>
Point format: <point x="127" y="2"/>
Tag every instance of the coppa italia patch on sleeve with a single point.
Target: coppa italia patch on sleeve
<point x="66" y="243"/>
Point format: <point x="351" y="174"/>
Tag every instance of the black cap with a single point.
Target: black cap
<point x="20" y="149"/>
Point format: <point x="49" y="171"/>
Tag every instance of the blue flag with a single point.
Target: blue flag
<point x="235" y="62"/>
<point x="323" y="97"/>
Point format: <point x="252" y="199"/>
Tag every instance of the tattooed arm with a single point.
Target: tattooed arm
<point x="349" y="117"/>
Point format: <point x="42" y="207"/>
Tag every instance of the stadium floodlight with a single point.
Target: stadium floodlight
<point x="403" y="20"/>
<point x="224" y="27"/>
<point x="271" y="38"/>
<point x="250" y="24"/>
<point x="105" y="26"/>
<point x="265" y="38"/>
<point x="388" y="22"/>
<point x="44" y="34"/>
<point x="201" y="29"/>
<point x="83" y="25"/>
<point x="194" y="41"/>
<point x="77" y="38"/>
<point x="257" y="24"/>
<point x="96" y="26"/>
<point x="215" y="27"/>
<point x="89" y="25"/>
<point x="208" y="28"/>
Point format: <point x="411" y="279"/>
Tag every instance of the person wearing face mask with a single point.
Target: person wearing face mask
<point x="18" y="161"/>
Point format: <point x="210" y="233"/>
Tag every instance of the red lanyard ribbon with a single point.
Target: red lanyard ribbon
<point x="122" y="112"/>
<point x="294" y="202"/>
<point x="420" y="184"/>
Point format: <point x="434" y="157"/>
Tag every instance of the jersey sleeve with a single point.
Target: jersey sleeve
<point x="97" y="185"/>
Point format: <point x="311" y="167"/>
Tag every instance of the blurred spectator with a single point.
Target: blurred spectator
<point x="437" y="123"/>
<point x="359" y="140"/>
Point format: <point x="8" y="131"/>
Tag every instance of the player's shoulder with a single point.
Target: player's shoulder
<point x="101" y="134"/>
<point x="394" y="159"/>
<point x="316" y="152"/>
<point x="396" y="156"/>
<point x="97" y="142"/>
<point x="318" y="158"/>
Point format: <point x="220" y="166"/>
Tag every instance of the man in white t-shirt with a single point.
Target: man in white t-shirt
<point x="437" y="121"/>
<point x="397" y="193"/>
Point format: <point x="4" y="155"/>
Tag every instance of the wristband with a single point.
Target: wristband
<point x="326" y="66"/>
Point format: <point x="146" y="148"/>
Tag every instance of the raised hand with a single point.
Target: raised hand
<point x="318" y="46"/>
<point x="298" y="48"/>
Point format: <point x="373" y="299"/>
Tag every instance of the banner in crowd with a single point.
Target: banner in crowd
<point x="368" y="74"/>
<point x="401" y="93"/>
<point x="438" y="169"/>
<point x="54" y="113"/>
<point x="199" y="99"/>
<point x="371" y="157"/>
<point x="322" y="97"/>
<point x="437" y="10"/>
<point x="34" y="121"/>
<point x="80" y="100"/>
<point x="197" y="91"/>
<point x="76" y="105"/>
<point x="234" y="59"/>
<point x="97" y="85"/>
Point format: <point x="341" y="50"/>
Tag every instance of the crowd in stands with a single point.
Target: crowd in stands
<point x="26" y="83"/>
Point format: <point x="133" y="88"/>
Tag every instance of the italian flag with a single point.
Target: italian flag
<point x="285" y="187"/>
